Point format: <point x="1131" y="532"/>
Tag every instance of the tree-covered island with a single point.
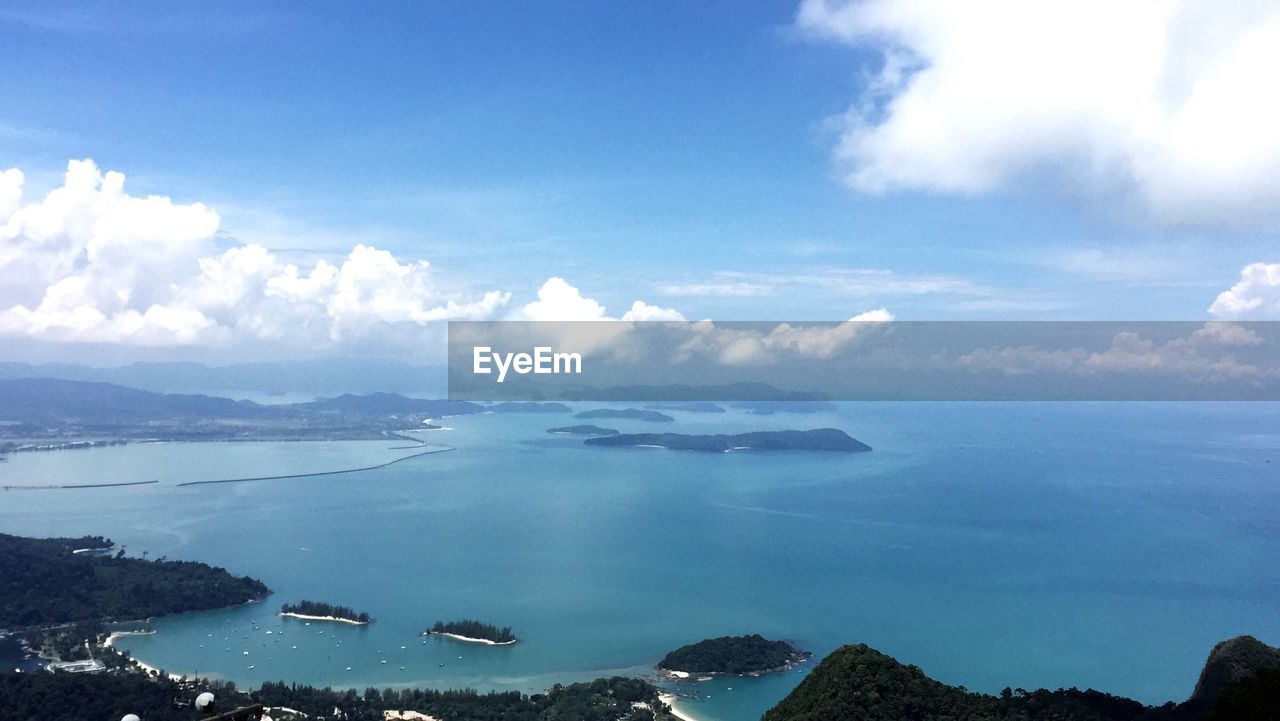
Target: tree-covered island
<point x="818" y="439"/>
<point x="473" y="632"/>
<point x="752" y="654"/>
<point x="319" y="611"/>
<point x="584" y="430"/>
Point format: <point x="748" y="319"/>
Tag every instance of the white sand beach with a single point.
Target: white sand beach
<point x="468" y="639"/>
<point x="671" y="700"/>
<point x="334" y="619"/>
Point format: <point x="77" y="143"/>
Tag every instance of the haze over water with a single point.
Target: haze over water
<point x="1024" y="545"/>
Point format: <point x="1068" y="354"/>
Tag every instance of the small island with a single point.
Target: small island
<point x="821" y="439"/>
<point x="318" y="611"/>
<point x="740" y="655"/>
<point x="630" y="414"/>
<point x="473" y="632"/>
<point x="584" y="430"/>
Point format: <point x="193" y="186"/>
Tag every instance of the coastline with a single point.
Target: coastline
<point x="469" y="639"/>
<point x="335" y="619"/>
<point x="146" y="667"/>
<point x="670" y="699"/>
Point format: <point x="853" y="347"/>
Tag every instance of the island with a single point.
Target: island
<point x="47" y="582"/>
<point x="820" y="439"/>
<point x="630" y="414"/>
<point x="584" y="430"/>
<point x="739" y="655"/>
<point x="688" y="406"/>
<point x="527" y="407"/>
<point x="473" y="632"/>
<point x="318" y="611"/>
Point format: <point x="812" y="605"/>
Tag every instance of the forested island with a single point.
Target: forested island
<point x="112" y="696"/>
<point x="584" y="430"/>
<point x="631" y="414"/>
<point x="473" y="632"/>
<point x="751" y="654"/>
<point x="319" y="611"/>
<point x="44" y="582"/>
<point x="1240" y="682"/>
<point x="821" y="439"/>
<point x="528" y="407"/>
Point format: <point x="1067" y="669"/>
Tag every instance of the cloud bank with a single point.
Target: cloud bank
<point x="1166" y="103"/>
<point x="91" y="263"/>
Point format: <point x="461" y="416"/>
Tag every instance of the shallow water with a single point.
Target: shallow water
<point x="1023" y="545"/>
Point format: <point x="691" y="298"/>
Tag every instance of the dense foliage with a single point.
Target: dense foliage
<point x="859" y="683"/>
<point x="730" y="654"/>
<point x="42" y="582"/>
<point x="77" y="697"/>
<point x="475" y="629"/>
<point x="318" y="608"/>
<point x="633" y="414"/>
<point x="1255" y="697"/>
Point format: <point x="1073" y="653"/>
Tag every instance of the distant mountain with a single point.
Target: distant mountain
<point x="316" y="377"/>
<point x="1241" y="682"/>
<point x="59" y="411"/>
<point x="821" y="439"/>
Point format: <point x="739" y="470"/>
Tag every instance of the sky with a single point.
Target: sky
<point x="238" y="181"/>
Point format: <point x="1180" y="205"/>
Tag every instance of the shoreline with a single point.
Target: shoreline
<point x="469" y="639"/>
<point x="670" y="700"/>
<point x="146" y="668"/>
<point x="334" y="619"/>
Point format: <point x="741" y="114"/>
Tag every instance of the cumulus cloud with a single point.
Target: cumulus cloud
<point x="1166" y="102"/>
<point x="1203" y="355"/>
<point x="1255" y="295"/>
<point x="745" y="346"/>
<point x="91" y="263"/>
<point x="560" y="301"/>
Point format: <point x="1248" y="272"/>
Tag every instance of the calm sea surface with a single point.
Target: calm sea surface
<point x="1023" y="545"/>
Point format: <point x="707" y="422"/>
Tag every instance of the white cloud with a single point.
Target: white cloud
<point x="739" y="346"/>
<point x="1255" y="295"/>
<point x="560" y="301"/>
<point x="1165" y="101"/>
<point x="91" y="263"/>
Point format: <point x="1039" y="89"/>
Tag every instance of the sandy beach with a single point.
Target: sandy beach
<point x="468" y="639"/>
<point x="671" y="700"/>
<point x="148" y="668"/>
<point x="334" y="619"/>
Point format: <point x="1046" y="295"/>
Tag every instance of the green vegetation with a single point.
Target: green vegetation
<point x="474" y="629"/>
<point x="820" y="439"/>
<point x="326" y="610"/>
<point x="584" y="430"/>
<point x="732" y="654"/>
<point x="42" y="583"/>
<point x="858" y="682"/>
<point x="111" y="696"/>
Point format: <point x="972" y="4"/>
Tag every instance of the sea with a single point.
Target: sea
<point x="1023" y="545"/>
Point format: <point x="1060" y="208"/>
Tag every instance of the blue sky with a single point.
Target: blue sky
<point x="686" y="154"/>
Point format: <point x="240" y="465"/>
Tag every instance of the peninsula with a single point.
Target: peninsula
<point x="58" y="580"/>
<point x="821" y="439"/>
<point x="473" y="632"/>
<point x="318" y="611"/>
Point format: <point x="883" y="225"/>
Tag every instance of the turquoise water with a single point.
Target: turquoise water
<point x="1103" y="545"/>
